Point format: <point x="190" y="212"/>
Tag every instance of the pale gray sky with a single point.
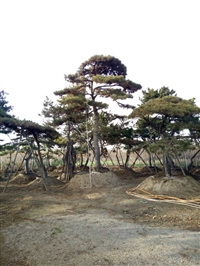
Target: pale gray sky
<point x="41" y="40"/>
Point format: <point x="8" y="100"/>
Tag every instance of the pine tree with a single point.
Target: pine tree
<point x="164" y="118"/>
<point x="97" y="78"/>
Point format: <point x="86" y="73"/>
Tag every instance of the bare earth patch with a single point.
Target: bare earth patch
<point x="93" y="221"/>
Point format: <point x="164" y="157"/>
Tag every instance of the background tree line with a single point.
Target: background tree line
<point x="163" y="124"/>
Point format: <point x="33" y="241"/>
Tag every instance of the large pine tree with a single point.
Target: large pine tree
<point x="97" y="78"/>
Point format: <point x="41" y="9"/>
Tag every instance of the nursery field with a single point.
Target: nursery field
<point x="83" y="220"/>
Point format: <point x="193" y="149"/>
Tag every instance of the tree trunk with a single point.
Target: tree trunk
<point x="48" y="165"/>
<point x="109" y="156"/>
<point x="27" y="159"/>
<point x="20" y="166"/>
<point x="40" y="160"/>
<point x="127" y="158"/>
<point x="149" y="158"/>
<point x="81" y="160"/>
<point x="161" y="163"/>
<point x="6" y="171"/>
<point x="173" y="166"/>
<point x="192" y="158"/>
<point x="12" y="168"/>
<point x="117" y="157"/>
<point x="70" y="161"/>
<point x="96" y="141"/>
<point x="139" y="155"/>
<point x="182" y="170"/>
<point x="167" y="165"/>
<point x="86" y="163"/>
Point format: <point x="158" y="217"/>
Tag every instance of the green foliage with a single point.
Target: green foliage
<point x="98" y="77"/>
<point x="162" y="118"/>
<point x="27" y="127"/>
<point x="173" y="145"/>
<point x="56" y="162"/>
<point x="108" y="79"/>
<point x="4" y="112"/>
<point x="102" y="65"/>
<point x="153" y="94"/>
<point x="4" y="107"/>
<point x="167" y="109"/>
<point x="116" y="130"/>
<point x="103" y="76"/>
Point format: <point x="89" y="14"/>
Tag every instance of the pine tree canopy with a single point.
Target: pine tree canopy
<point x="153" y="94"/>
<point x="26" y="127"/>
<point x="4" y="112"/>
<point x="171" y="106"/>
<point x="103" y="76"/>
<point x="3" y="103"/>
<point x="102" y="65"/>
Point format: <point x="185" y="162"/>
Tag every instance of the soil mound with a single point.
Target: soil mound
<point x="54" y="173"/>
<point x="148" y="170"/>
<point x="51" y="182"/>
<point x="182" y="187"/>
<point x="98" y="180"/>
<point x="126" y="174"/>
<point x="22" y="179"/>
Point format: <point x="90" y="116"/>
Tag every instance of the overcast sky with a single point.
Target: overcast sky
<point x="41" y="40"/>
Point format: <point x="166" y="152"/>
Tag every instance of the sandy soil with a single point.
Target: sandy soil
<point x="77" y="225"/>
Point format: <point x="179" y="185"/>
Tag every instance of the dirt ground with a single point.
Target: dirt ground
<point x="25" y="201"/>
